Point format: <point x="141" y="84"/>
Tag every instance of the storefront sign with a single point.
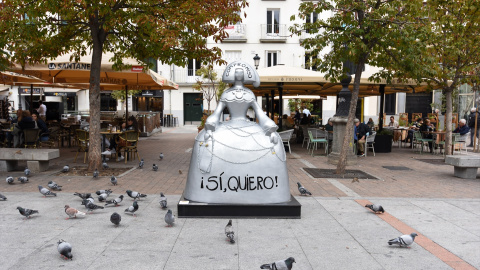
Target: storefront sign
<point x="137" y="68"/>
<point x="23" y="91"/>
<point x="69" y="66"/>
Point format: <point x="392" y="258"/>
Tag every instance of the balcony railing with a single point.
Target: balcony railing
<point x="236" y="32"/>
<point x="188" y="76"/>
<point x="274" y="33"/>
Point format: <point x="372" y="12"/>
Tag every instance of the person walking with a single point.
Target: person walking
<point x="471" y="125"/>
<point x="42" y="111"/>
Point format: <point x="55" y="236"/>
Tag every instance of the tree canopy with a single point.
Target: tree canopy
<point x="170" y="31"/>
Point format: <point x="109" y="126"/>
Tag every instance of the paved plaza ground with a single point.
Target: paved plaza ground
<point x="335" y="231"/>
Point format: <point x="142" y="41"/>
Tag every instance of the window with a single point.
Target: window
<point x="232" y="56"/>
<point x="309" y="58"/>
<point x="193" y="66"/>
<point x="390" y="103"/>
<point x="107" y="103"/>
<point x="311" y="18"/>
<point x="272" y="58"/>
<point x="273" y="21"/>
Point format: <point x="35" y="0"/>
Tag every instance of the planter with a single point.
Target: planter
<point x="383" y="143"/>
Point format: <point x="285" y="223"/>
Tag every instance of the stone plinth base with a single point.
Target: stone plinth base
<point x="339" y="130"/>
<point x="291" y="209"/>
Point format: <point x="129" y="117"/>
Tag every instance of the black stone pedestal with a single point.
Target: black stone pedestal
<point x="190" y="209"/>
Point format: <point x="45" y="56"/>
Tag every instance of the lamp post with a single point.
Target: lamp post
<point x="256" y="60"/>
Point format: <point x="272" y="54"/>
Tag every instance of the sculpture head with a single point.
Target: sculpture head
<point x="232" y="73"/>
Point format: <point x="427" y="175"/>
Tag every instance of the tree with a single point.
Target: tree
<point x="170" y="31"/>
<point x="209" y="84"/>
<point x="359" y="32"/>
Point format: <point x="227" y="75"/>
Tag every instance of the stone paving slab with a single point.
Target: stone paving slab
<point x="332" y="234"/>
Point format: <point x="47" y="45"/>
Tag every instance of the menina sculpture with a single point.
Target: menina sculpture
<point x="238" y="161"/>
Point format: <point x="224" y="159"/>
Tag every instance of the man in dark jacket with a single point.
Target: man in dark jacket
<point x="462" y="128"/>
<point x="471" y="125"/>
<point x="360" y="136"/>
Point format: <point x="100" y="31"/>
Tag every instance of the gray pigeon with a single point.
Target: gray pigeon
<point x="95" y="173"/>
<point x="375" y="208"/>
<point x="169" y="218"/>
<point x="303" y="191"/>
<point x="23" y="179"/>
<point x="91" y="206"/>
<point x="140" y="165"/>
<point x="229" y="232"/>
<point x="280" y="265"/>
<point x="65" y="250"/>
<point x="163" y="201"/>
<point x="105" y="165"/>
<point x="65" y="169"/>
<point x="26" y="212"/>
<point x="87" y="201"/>
<point x="102" y="197"/>
<point x="135" y="195"/>
<point x="9" y="180"/>
<point x="83" y="196"/>
<point x="404" y="240"/>
<point x="132" y="209"/>
<point x="161" y="156"/>
<point x="54" y="186"/>
<point x="113" y="180"/>
<point x="115" y="201"/>
<point x="102" y="191"/>
<point x="3" y="198"/>
<point x="46" y="192"/>
<point x="27" y="171"/>
<point x="155" y="167"/>
<point x="115" y="218"/>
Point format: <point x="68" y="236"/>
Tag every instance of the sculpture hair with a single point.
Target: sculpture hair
<point x="250" y="75"/>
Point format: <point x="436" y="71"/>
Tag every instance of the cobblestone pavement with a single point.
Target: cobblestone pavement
<point x="335" y="231"/>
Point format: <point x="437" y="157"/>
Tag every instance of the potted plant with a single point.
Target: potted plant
<point x="383" y="141"/>
<point x="202" y="124"/>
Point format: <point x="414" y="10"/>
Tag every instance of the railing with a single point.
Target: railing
<point x="274" y="31"/>
<point x="183" y="75"/>
<point x="236" y="31"/>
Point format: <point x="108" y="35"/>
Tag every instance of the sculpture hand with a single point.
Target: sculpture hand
<point x="207" y="135"/>
<point x="273" y="138"/>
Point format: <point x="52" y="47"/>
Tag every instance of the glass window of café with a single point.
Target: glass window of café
<point x="148" y="101"/>
<point x="107" y="102"/>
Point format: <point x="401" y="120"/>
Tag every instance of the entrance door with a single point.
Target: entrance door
<point x="192" y="107"/>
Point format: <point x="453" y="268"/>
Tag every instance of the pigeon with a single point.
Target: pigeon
<point x="103" y="191"/>
<point x="169" y="218"/>
<point x="280" y="265"/>
<point x="375" y="208"/>
<point x="83" y="196"/>
<point x="26" y="212"/>
<point x="163" y="201"/>
<point x="303" y="191"/>
<point x="87" y="201"/>
<point x="95" y="173"/>
<point x="102" y="197"/>
<point x="135" y="195"/>
<point x="23" y="179"/>
<point x="161" y="156"/>
<point x="54" y="186"/>
<point x="115" y="201"/>
<point x="72" y="212"/>
<point x="91" y="206"/>
<point x="140" y="165"/>
<point x="155" y="167"/>
<point x="229" y="232"/>
<point x="27" y="171"/>
<point x="10" y="179"/>
<point x="113" y="180"/>
<point x="65" y="169"/>
<point x="132" y="209"/>
<point x="179" y="171"/>
<point x="46" y="192"/>
<point x="115" y="218"/>
<point x="65" y="250"/>
<point x="404" y="240"/>
<point x="105" y="165"/>
<point x="3" y="198"/>
<point x="355" y="179"/>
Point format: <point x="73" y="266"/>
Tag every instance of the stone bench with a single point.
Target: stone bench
<point x="464" y="166"/>
<point x="37" y="159"/>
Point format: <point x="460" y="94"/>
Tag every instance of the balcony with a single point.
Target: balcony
<point x="274" y="33"/>
<point x="237" y="34"/>
<point x="187" y="76"/>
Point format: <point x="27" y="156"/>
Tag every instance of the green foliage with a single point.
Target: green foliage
<point x="298" y="104"/>
<point x="120" y="94"/>
<point x="385" y="131"/>
<point x="209" y="84"/>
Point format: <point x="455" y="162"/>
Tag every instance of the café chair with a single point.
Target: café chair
<point x="83" y="141"/>
<point x="286" y="136"/>
<point x="31" y="137"/>
<point x="131" y="139"/>
<point x="314" y="142"/>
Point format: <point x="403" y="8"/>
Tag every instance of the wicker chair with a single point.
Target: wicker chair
<point x="30" y="137"/>
<point x="82" y="140"/>
<point x="131" y="139"/>
<point x="52" y="138"/>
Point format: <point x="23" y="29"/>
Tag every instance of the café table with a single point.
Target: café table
<point x="104" y="135"/>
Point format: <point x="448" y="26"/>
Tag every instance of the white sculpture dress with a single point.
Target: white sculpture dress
<point x="238" y="161"/>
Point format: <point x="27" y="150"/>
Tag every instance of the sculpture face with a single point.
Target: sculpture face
<point x="239" y="74"/>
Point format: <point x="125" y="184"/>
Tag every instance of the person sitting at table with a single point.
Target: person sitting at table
<point x="329" y="125"/>
<point x="39" y="123"/>
<point x="415" y="127"/>
<point x="131" y="124"/>
<point x="360" y="135"/>
<point x="285" y="123"/>
<point x="397" y="134"/>
<point x="25" y="121"/>
<point x="425" y="128"/>
<point x="462" y="127"/>
<point x="370" y="123"/>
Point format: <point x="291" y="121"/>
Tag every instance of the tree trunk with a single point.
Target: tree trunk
<point x="448" y="121"/>
<point x="346" y="146"/>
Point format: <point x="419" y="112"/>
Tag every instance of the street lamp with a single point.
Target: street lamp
<point x="256" y="60"/>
